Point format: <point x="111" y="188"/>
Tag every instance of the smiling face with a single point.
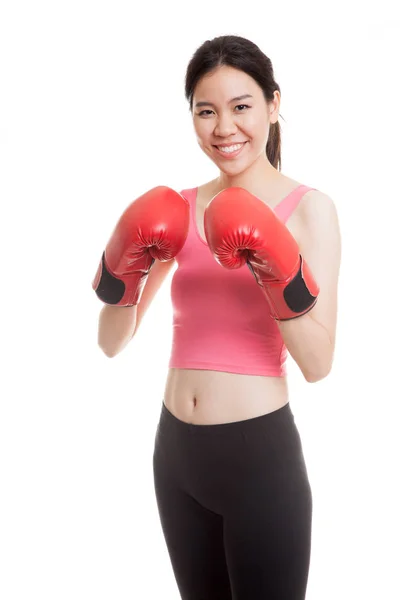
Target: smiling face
<point x="231" y="119"/>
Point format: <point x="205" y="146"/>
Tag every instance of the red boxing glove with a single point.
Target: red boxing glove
<point x="155" y="226"/>
<point x="240" y="229"/>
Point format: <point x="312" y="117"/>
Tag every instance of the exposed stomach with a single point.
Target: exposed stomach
<point x="202" y="397"/>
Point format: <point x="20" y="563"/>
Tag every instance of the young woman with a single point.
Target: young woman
<point x="258" y="257"/>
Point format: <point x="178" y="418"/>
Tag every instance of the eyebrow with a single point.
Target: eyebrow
<point x="236" y="99"/>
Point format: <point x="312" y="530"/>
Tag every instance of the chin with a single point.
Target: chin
<point x="233" y="170"/>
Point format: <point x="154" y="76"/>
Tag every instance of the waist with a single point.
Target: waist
<point x="203" y="396"/>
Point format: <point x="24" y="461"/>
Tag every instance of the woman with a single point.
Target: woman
<point x="231" y="483"/>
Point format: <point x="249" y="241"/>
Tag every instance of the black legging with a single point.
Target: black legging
<point x="235" y="506"/>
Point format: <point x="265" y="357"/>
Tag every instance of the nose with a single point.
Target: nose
<point x="225" y="126"/>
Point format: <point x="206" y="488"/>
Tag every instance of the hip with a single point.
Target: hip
<point x="220" y="465"/>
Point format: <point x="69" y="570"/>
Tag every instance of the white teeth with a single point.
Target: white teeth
<point x="229" y="149"/>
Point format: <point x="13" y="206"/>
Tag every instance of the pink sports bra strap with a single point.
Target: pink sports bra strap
<point x="286" y="206"/>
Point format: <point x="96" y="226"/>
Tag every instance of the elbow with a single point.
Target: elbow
<point x="321" y="363"/>
<point x="113" y="350"/>
<point x="108" y="351"/>
<point x="315" y="376"/>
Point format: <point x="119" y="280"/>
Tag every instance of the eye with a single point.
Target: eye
<point x="205" y="113"/>
<point x="242" y="106"/>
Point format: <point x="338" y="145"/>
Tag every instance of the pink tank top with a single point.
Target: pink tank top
<point x="221" y="320"/>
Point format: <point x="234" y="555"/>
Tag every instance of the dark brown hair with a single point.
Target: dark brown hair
<point x="239" y="53"/>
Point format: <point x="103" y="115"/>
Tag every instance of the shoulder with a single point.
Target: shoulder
<point x="318" y="217"/>
<point x="316" y="206"/>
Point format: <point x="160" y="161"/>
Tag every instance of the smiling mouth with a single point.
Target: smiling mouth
<point x="231" y="148"/>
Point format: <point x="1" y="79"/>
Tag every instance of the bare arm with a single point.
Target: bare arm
<point x="310" y="339"/>
<point x="118" y="324"/>
<point x="116" y="327"/>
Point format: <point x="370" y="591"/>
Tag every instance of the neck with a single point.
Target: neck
<point x="259" y="175"/>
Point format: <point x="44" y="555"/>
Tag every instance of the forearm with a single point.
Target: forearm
<point x="309" y="344"/>
<point x="116" y="327"/>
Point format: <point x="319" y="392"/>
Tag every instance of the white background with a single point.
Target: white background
<point x="92" y="114"/>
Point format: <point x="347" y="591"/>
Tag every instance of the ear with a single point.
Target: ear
<point x="274" y="107"/>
